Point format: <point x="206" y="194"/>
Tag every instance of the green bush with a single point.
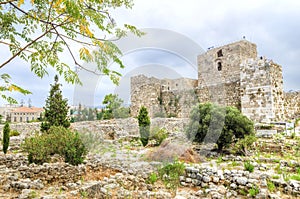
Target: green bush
<point x="158" y="134"/>
<point x="144" y="125"/>
<point x="58" y="140"/>
<point x="242" y="145"/>
<point x="248" y="166"/>
<point x="170" y="173"/>
<point x="14" y="133"/>
<point x="225" y="122"/>
<point x="5" y="140"/>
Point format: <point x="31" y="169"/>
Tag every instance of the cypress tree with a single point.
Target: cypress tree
<point x="56" y="108"/>
<point x="144" y="125"/>
<point x="6" y="131"/>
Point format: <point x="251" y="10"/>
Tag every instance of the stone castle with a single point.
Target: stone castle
<point x="228" y="75"/>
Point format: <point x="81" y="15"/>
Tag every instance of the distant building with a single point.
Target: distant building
<point x="25" y="114"/>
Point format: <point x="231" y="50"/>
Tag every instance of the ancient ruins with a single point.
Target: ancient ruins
<point x="233" y="75"/>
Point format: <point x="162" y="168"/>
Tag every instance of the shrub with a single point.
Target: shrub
<point x="14" y="133"/>
<point x="242" y="145"/>
<point x="159" y="135"/>
<point x="248" y="166"/>
<point x="170" y="173"/>
<point x="223" y="123"/>
<point x="58" y="140"/>
<point x="144" y="125"/>
<point x="6" y="131"/>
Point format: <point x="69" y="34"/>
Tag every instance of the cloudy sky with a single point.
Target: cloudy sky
<point x="272" y="25"/>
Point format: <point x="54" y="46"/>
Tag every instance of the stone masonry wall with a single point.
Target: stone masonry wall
<point x="145" y="92"/>
<point x="230" y="75"/>
<point x="222" y="65"/>
<point x="261" y="90"/>
<point x="227" y="94"/>
<point x="107" y="129"/>
<point x="292" y="105"/>
<point x="166" y="96"/>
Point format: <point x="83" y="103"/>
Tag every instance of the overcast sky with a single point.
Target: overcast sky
<point x="272" y="25"/>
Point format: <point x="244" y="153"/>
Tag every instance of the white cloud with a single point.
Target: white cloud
<point x="272" y="25"/>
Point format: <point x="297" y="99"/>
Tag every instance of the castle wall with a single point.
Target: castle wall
<point x="292" y="105"/>
<point x="145" y="92"/>
<point x="226" y="94"/>
<point x="261" y="90"/>
<point x="168" y="97"/>
<point x="222" y="65"/>
<point x="219" y="73"/>
<point x="230" y="75"/>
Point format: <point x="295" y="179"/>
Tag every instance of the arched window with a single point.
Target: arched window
<point x="219" y="66"/>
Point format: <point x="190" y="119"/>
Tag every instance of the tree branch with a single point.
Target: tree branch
<point x="72" y="55"/>
<point x="12" y="44"/>
<point x="6" y="2"/>
<point x="29" y="44"/>
<point x="41" y="20"/>
<point x="22" y="49"/>
<point x="49" y="13"/>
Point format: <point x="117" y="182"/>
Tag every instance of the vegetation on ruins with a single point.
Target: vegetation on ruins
<point x="56" y="108"/>
<point x="58" y="140"/>
<point x="113" y="108"/>
<point x="158" y="135"/>
<point x="226" y="122"/>
<point x="41" y="32"/>
<point x="170" y="172"/>
<point x="144" y="125"/>
<point x="6" y="137"/>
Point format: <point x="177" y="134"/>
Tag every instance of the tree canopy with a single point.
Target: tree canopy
<point x="208" y="117"/>
<point x="56" y="108"/>
<point x="40" y="32"/>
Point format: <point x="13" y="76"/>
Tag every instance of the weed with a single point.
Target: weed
<point x="295" y="177"/>
<point x="170" y="173"/>
<point x="253" y="191"/>
<point x="219" y="160"/>
<point x="275" y="177"/>
<point x="152" y="178"/>
<point x="234" y="164"/>
<point x="14" y="133"/>
<point x="248" y="166"/>
<point x="84" y="194"/>
<point x="243" y="192"/>
<point x="271" y="186"/>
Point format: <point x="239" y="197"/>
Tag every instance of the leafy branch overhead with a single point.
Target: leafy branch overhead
<point x="40" y="31"/>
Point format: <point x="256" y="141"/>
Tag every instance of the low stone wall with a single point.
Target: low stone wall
<point x="225" y="180"/>
<point x="109" y="129"/>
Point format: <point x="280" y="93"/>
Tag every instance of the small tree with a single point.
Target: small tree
<point x="6" y="132"/>
<point x="144" y="125"/>
<point x="114" y="107"/>
<point x="205" y="117"/>
<point x="56" y="109"/>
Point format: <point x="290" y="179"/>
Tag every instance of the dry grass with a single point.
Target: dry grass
<point x="169" y="151"/>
